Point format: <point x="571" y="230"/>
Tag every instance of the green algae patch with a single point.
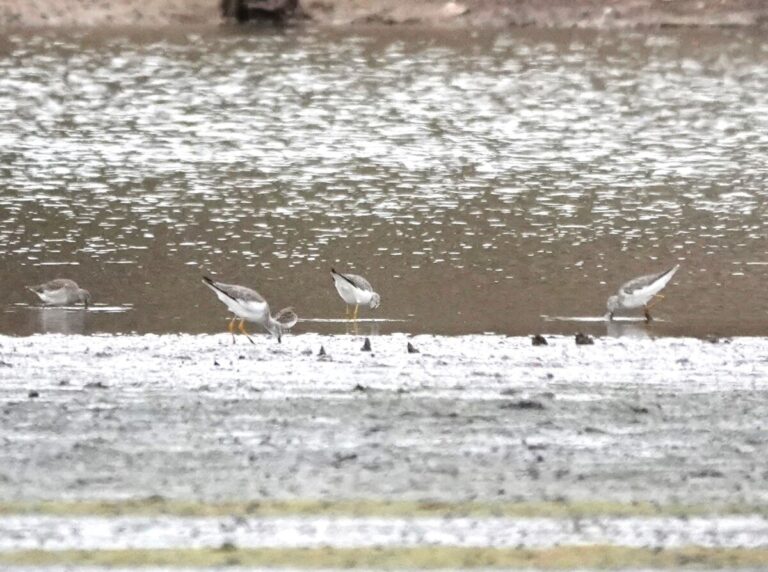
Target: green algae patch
<point x="559" y="558"/>
<point x="154" y="506"/>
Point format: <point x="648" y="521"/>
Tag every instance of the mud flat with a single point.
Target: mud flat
<point x="714" y="541"/>
<point x="476" y="451"/>
<point x="668" y="421"/>
<point x="155" y="532"/>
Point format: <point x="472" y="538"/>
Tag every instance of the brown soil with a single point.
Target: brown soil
<point x="449" y="13"/>
<point x="106" y="13"/>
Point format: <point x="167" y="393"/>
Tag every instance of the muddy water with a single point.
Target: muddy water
<point x="479" y="181"/>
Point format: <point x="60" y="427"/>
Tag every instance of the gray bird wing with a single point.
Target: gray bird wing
<point x="644" y="281"/>
<point x="239" y="293"/>
<point x="358" y="282"/>
<point x="56" y="284"/>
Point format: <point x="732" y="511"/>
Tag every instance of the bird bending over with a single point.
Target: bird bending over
<point x="247" y="304"/>
<point x="638" y="292"/>
<point x="61" y="292"/>
<point x="354" y="290"/>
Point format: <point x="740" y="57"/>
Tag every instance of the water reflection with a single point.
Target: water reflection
<point x="478" y="182"/>
<point x="634" y="330"/>
<point x="59" y="320"/>
<point x="363" y="329"/>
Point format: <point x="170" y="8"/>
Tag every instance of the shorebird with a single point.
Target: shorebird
<point x="61" y="292"/>
<point x="356" y="290"/>
<point x="247" y="304"/>
<point x="639" y="291"/>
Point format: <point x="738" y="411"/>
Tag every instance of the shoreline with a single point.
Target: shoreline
<point x="451" y="14"/>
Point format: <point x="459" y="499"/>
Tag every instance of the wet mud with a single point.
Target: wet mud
<point x="474" y="417"/>
<point x="35" y="532"/>
<point x="442" y="558"/>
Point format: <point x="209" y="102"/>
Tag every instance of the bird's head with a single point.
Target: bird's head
<point x="84" y="296"/>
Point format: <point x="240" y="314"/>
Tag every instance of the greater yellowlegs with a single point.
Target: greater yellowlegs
<point x="356" y="290"/>
<point x="639" y="291"/>
<point x="247" y="304"/>
<point x="61" y="292"/>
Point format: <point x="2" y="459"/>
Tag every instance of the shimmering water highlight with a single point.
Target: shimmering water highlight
<point x="479" y="181"/>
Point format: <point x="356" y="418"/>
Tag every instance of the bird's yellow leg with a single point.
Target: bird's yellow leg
<point x="242" y="329"/>
<point x="357" y="307"/>
<point x="346" y="312"/>
<point x="656" y="299"/>
<point x="232" y="328"/>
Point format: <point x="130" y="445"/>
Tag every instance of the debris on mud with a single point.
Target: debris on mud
<point x="584" y="340"/>
<point x="523" y="404"/>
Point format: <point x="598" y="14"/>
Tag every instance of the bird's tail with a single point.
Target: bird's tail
<point x="666" y="276"/>
<point x="211" y="284"/>
<point x="287" y="318"/>
<point x="672" y="270"/>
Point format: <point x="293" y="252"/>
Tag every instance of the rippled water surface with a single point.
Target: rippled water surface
<point x="479" y="182"/>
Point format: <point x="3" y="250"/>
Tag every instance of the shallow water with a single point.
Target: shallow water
<point x="480" y="181"/>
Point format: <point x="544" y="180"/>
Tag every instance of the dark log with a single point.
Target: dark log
<point x="254" y="10"/>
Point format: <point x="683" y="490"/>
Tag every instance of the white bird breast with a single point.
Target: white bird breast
<point x="642" y="296"/>
<point x="637" y="300"/>
<point x="251" y="311"/>
<point x="54" y="297"/>
<point x="350" y="294"/>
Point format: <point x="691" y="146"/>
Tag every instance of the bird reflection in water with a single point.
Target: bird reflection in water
<point x="60" y="321"/>
<point x="634" y="330"/>
<point x="357" y="328"/>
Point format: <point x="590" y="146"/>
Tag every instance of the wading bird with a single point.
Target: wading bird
<point x="61" y="292"/>
<point x="639" y="291"/>
<point x="356" y="290"/>
<point x="247" y="304"/>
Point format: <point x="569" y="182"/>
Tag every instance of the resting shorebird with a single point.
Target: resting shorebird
<point x="639" y="291"/>
<point x="249" y="305"/>
<point x="61" y="292"/>
<point x="356" y="290"/>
